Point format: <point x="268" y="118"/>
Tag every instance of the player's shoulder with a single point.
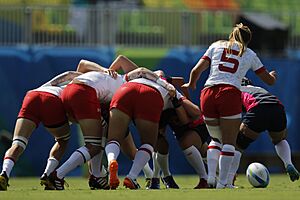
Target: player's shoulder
<point x="219" y="43"/>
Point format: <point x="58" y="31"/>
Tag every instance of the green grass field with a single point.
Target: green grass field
<point x="280" y="187"/>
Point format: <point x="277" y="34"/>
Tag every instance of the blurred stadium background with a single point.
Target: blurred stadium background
<point x="39" y="39"/>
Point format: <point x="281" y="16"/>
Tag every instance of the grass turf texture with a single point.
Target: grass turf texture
<point x="280" y="187"/>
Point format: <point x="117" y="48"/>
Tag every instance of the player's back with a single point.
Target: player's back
<point x="227" y="67"/>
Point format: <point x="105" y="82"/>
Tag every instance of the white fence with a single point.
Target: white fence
<point x="130" y="27"/>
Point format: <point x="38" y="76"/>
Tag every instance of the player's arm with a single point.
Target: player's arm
<point x="122" y="62"/>
<point x="192" y="110"/>
<point x="87" y="66"/>
<point x="268" y="77"/>
<point x="143" y="72"/>
<point x="178" y="82"/>
<point x="196" y="72"/>
<point x="62" y="78"/>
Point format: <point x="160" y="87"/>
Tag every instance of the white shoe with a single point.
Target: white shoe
<point x="230" y="186"/>
<point x="212" y="182"/>
<point x="220" y="186"/>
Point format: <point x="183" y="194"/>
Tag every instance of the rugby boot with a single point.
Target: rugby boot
<point x="202" y="184"/>
<point x="292" y="172"/>
<point x="155" y="185"/>
<point x="148" y="183"/>
<point x="131" y="184"/>
<point x="46" y="182"/>
<point x="3" y="181"/>
<point x="169" y="182"/>
<point x="59" y="184"/>
<point x="98" y="183"/>
<point x="212" y="182"/>
<point x="113" y="175"/>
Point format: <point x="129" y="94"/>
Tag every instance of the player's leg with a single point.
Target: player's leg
<point x="229" y="130"/>
<point x="128" y="148"/>
<point x="23" y="130"/>
<point x="213" y="150"/>
<point x="283" y="150"/>
<point x="98" y="175"/>
<point x="163" y="161"/>
<point x="62" y="136"/>
<point x="191" y="144"/>
<point x="118" y="126"/>
<point x="148" y="131"/>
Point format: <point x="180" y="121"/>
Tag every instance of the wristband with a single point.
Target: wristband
<point x="176" y="103"/>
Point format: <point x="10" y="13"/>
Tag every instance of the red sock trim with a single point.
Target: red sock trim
<point x="10" y="158"/>
<point x="226" y="153"/>
<point x="146" y="150"/>
<point x="214" y="147"/>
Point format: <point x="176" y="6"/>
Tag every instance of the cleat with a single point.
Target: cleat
<point x="3" y="181"/>
<point x="230" y="186"/>
<point x="292" y="172"/>
<point x="169" y="182"/>
<point x="202" y="184"/>
<point x="155" y="185"/>
<point x="148" y="183"/>
<point x="113" y="175"/>
<point x="212" y="182"/>
<point x="46" y="182"/>
<point x="57" y="182"/>
<point x="131" y="184"/>
<point x="220" y="186"/>
<point x="96" y="183"/>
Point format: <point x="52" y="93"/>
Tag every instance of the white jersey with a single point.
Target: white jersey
<point x="55" y="90"/>
<point x="103" y="83"/>
<point x="164" y="93"/>
<point x="229" y="68"/>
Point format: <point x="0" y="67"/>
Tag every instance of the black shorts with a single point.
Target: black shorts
<point x="200" y="129"/>
<point x="169" y="117"/>
<point x="266" y="117"/>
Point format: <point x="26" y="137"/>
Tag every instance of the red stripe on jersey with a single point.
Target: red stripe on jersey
<point x="10" y="158"/>
<point x="214" y="147"/>
<point x="206" y="58"/>
<point x="226" y="153"/>
<point x="260" y="70"/>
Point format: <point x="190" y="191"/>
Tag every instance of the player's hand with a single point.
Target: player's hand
<point x="274" y="74"/>
<point x="188" y="85"/>
<point x="172" y="90"/>
<point x="112" y="73"/>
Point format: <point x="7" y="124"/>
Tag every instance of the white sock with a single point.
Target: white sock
<point x="52" y="163"/>
<point x="156" y="167"/>
<point x="225" y="162"/>
<point x="195" y="159"/>
<point x="163" y="161"/>
<point x="213" y="154"/>
<point x="283" y="150"/>
<point x="112" y="150"/>
<point x="103" y="171"/>
<point x="234" y="167"/>
<point x="142" y="156"/>
<point x="95" y="165"/>
<point x="7" y="166"/>
<point x="78" y="157"/>
<point x="147" y="171"/>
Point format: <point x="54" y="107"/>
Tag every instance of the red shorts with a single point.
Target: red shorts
<point x="138" y="101"/>
<point x="220" y="101"/>
<point x="81" y="102"/>
<point x="43" y="107"/>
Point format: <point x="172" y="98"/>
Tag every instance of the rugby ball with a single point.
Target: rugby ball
<point x="258" y="175"/>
